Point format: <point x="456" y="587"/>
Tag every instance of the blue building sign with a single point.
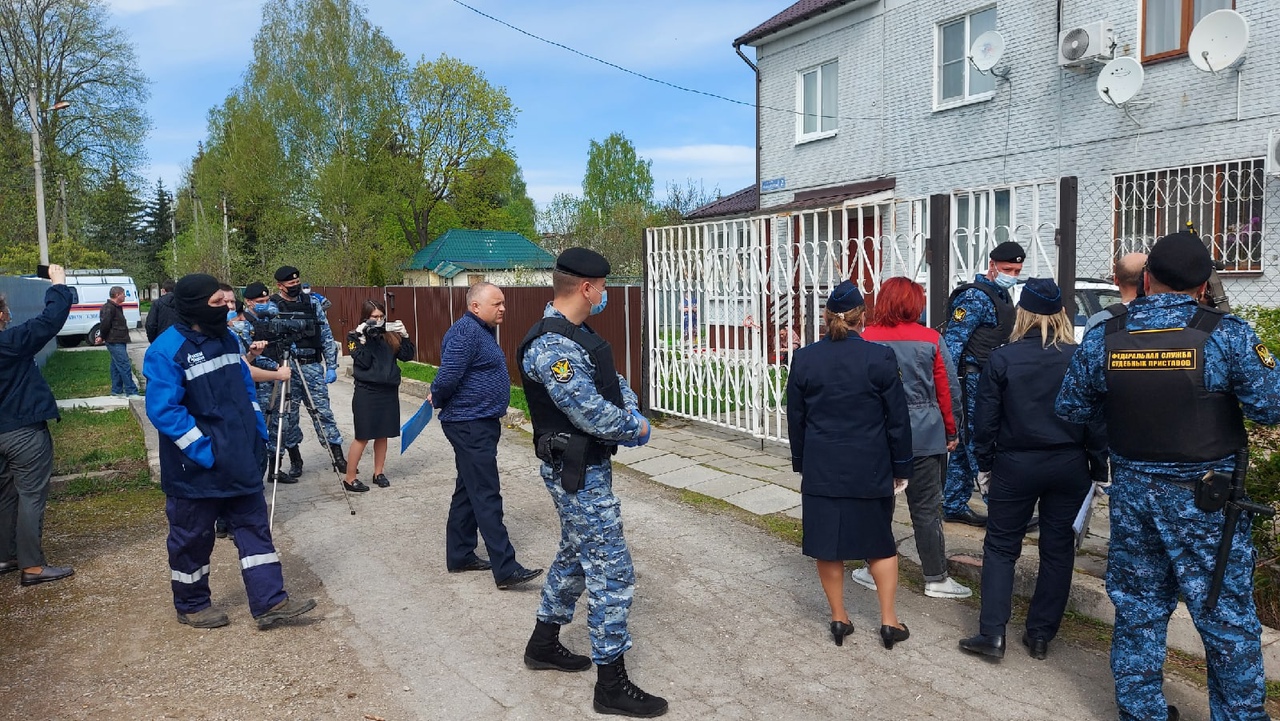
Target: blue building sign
<point x="768" y="186"/>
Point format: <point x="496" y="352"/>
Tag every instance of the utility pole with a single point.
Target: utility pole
<point x="173" y="237"/>
<point x="62" y="203"/>
<point x="226" y="249"/>
<point x="42" y="233"/>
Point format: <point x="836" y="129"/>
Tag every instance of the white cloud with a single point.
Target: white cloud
<point x="703" y="155"/>
<point x="128" y="7"/>
<point x="542" y="193"/>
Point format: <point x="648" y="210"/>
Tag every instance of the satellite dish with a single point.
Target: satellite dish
<point x="987" y="50"/>
<point x="1120" y="80"/>
<point x="1218" y="40"/>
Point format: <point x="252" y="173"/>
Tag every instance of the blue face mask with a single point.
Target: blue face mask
<point x="231" y="315"/>
<point x="604" y="300"/>
<point x="1006" y="281"/>
<point x="262" y="309"/>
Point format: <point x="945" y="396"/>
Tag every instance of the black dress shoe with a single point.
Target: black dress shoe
<point x="381" y="481"/>
<point x="355" y="486"/>
<point x="478" y="564"/>
<point x="992" y="646"/>
<point x="1173" y="713"/>
<point x="968" y="517"/>
<point x="890" y="635"/>
<point x="8" y="567"/>
<point x="46" y="574"/>
<point x="840" y="629"/>
<point x="1038" y="647"/>
<point x="522" y="575"/>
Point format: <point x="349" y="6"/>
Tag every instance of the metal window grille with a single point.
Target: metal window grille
<point x="1223" y="201"/>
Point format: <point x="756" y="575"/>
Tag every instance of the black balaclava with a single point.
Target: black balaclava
<point x="192" y="301"/>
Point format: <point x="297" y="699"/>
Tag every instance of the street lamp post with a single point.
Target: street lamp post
<point x="42" y="232"/>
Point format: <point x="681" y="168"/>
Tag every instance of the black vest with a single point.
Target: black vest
<point x="985" y="338"/>
<point x="545" y="415"/>
<point x="301" y="309"/>
<point x="1157" y="407"/>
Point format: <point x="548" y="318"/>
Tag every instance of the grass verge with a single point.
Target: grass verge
<point x="1077" y="629"/>
<point x="78" y="374"/>
<point x="86" y="441"/>
<point x="427" y="373"/>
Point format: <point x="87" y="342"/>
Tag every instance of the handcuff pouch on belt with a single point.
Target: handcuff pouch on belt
<point x="568" y="454"/>
<point x="1212" y="491"/>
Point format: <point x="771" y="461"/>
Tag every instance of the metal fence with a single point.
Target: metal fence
<point x="428" y="312"/>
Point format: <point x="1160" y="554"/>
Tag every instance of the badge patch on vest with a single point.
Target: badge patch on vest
<point x="1165" y="359"/>
<point x="959" y="314"/>
<point x="1265" y="356"/>
<point x="562" y="371"/>
<point x="351" y="345"/>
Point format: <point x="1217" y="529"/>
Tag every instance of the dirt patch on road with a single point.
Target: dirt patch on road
<point x="105" y="644"/>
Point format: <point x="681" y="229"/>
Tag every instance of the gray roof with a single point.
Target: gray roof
<point x="793" y="15"/>
<point x="744" y="201"/>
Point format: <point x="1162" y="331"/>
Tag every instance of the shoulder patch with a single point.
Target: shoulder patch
<point x="562" y="371"/>
<point x="351" y="345"/>
<point x="1264" y="355"/>
<point x="959" y="314"/>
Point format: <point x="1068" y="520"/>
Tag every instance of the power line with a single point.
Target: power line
<point x="651" y="79"/>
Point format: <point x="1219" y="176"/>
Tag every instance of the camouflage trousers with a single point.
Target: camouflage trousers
<point x="313" y="375"/>
<point x="1163" y="547"/>
<point x="593" y="556"/>
<point x="962" y="467"/>
<point x="270" y="413"/>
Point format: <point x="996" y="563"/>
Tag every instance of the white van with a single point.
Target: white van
<point x="93" y="286"/>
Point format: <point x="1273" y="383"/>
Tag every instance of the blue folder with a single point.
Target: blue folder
<point x="413" y="427"/>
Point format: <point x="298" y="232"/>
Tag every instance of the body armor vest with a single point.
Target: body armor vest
<point x="545" y="415"/>
<point x="985" y="338"/>
<point x="1157" y="406"/>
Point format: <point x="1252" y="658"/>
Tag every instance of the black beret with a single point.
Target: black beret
<point x="582" y="263"/>
<point x="255" y="290"/>
<point x="286" y="272"/>
<point x="846" y="296"/>
<point x="1008" y="252"/>
<point x="1042" y="296"/>
<point x="1180" y="261"/>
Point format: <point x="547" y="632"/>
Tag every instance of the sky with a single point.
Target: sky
<point x="196" y="51"/>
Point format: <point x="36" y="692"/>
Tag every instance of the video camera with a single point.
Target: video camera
<point x="285" y="328"/>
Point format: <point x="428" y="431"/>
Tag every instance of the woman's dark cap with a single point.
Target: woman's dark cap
<point x="1041" y="296"/>
<point x="845" y="297"/>
<point x="582" y="263"/>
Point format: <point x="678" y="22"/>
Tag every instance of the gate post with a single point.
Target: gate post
<point x="646" y="343"/>
<point x="937" y="254"/>
<point x="1068" y="212"/>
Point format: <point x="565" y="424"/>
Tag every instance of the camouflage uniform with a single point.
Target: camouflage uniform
<point x="244" y="331"/>
<point x="1162" y="546"/>
<point x="313" y="374"/>
<point x="971" y="310"/>
<point x="593" y="554"/>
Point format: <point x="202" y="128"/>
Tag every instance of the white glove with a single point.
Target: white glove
<point x="359" y="332"/>
<point x="984" y="482"/>
<point x="899" y="485"/>
<point x="396" y="326"/>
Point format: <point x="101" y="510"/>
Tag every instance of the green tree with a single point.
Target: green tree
<point x="490" y="194"/>
<point x="616" y="176"/>
<point x="157" y="232"/>
<point x="114" y="222"/>
<point x="454" y="116"/>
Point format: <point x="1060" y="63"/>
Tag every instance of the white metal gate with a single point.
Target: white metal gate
<point x="728" y="300"/>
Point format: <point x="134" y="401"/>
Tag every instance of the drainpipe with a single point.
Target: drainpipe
<point x="737" y="48"/>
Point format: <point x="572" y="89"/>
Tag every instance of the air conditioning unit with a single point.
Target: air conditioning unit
<point x="1086" y="44"/>
<point x="1273" y="153"/>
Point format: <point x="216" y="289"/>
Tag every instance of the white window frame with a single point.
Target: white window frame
<point x="965" y="98"/>
<point x="801" y="135"/>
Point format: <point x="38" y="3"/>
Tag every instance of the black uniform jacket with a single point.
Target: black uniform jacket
<point x="847" y="419"/>
<point x="1014" y="410"/>
<point x="373" y="362"/>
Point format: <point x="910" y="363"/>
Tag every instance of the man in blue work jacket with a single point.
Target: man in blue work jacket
<point x="201" y="400"/>
<point x="1174" y="380"/>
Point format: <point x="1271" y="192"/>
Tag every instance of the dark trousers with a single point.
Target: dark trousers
<point x="26" y="460"/>
<point x="1058" y="481"/>
<point x="477" y="498"/>
<point x="191" y="542"/>
<point x="924" y="500"/>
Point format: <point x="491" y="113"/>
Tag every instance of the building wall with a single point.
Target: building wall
<point x="426" y="278"/>
<point x="1042" y="123"/>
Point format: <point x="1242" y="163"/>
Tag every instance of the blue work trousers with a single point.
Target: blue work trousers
<point x="191" y="543"/>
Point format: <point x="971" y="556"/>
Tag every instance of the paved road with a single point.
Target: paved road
<point x="729" y="622"/>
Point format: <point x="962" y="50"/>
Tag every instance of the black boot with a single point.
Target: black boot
<point x="274" y="473"/>
<point x="339" y="462"/>
<point x="545" y="652"/>
<point x="615" y="694"/>
<point x="295" y="461"/>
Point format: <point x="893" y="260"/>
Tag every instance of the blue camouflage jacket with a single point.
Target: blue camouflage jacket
<point x="203" y="404"/>
<point x="573" y="390"/>
<point x="1235" y="361"/>
<point x="977" y="311"/>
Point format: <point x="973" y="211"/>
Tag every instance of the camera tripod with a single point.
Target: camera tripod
<point x="280" y="396"/>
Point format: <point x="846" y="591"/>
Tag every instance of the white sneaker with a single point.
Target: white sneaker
<point x="862" y="577"/>
<point x="946" y="588"/>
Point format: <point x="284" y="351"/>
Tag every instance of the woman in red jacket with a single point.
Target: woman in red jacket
<point x="927" y="377"/>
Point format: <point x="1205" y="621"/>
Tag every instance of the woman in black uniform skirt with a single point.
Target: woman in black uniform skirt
<point x="851" y="443"/>
<point x="375" y="346"/>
